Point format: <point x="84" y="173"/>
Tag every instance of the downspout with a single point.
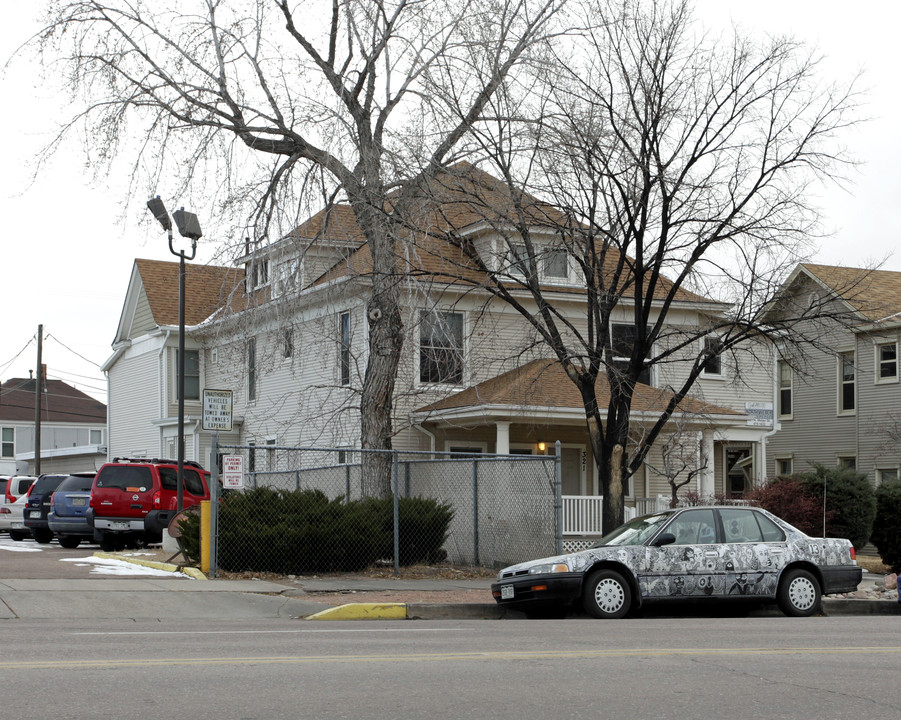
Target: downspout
<point x="429" y="435"/>
<point x="164" y="385"/>
<point x="775" y="399"/>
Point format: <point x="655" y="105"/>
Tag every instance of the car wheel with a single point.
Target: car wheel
<point x="70" y="542"/>
<point x="18" y="535"/>
<point x="42" y="536"/>
<point x="107" y="542"/>
<point x="799" y="593"/>
<point x="606" y="594"/>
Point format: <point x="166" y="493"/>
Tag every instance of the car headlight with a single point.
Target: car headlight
<point x="548" y="569"/>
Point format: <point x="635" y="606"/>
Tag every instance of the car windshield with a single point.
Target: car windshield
<point x="74" y="483"/>
<point x="635" y="532"/>
<point x="46" y="484"/>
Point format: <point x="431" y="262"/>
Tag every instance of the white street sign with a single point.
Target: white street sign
<point x="233" y="472"/>
<point x="217" y="410"/>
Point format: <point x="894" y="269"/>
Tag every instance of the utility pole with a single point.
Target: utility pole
<point x="39" y="375"/>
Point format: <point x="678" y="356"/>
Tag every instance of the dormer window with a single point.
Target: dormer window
<point x="287" y="278"/>
<point x="551" y="262"/>
<point x="258" y="273"/>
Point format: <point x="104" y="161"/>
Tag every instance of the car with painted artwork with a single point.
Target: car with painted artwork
<point x="713" y="553"/>
<point x="134" y="499"/>
<point x="69" y="505"/>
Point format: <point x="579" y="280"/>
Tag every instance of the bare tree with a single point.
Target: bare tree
<point x="673" y="172"/>
<point x="682" y="458"/>
<point x="261" y="106"/>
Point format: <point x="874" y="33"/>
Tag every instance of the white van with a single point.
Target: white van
<point x="13" y="496"/>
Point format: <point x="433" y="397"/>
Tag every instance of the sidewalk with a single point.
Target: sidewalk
<point x="330" y="598"/>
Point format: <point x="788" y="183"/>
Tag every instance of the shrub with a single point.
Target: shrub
<point x="787" y="497"/>
<point x="850" y="500"/>
<point x="887" y="525"/>
<point x="296" y="532"/>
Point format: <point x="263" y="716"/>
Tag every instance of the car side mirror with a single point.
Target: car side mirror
<point x="666" y="538"/>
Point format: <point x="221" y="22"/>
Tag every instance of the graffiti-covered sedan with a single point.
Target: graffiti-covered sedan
<point x="717" y="553"/>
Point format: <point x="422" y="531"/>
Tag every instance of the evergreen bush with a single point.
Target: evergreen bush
<point x="887" y="525"/>
<point x="850" y="502"/>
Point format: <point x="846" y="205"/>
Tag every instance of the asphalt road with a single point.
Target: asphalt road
<point x="685" y="668"/>
<point x="27" y="560"/>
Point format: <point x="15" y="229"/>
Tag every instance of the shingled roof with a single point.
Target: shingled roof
<point x="207" y="289"/>
<point x="60" y="403"/>
<point x="544" y="384"/>
<point x="874" y="294"/>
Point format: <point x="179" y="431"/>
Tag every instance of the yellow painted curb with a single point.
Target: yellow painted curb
<point x="166" y="567"/>
<point x="363" y="611"/>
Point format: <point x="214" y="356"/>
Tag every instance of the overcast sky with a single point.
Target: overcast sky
<point x="68" y="252"/>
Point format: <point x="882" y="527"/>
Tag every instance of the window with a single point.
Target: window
<point x="713" y="365"/>
<point x="743" y="526"/>
<point x="518" y="258"/>
<point x="622" y="340"/>
<point x="887" y="359"/>
<point x="7" y="442"/>
<point x="287" y="342"/>
<point x="192" y="374"/>
<point x="884" y="475"/>
<point x="785" y="389"/>
<point x="96" y="437"/>
<point x="847" y="462"/>
<point x="784" y="466"/>
<point x="258" y="275"/>
<point x="694" y="527"/>
<point x="252" y="369"/>
<point x="344" y="348"/>
<point x="847" y="382"/>
<point x="556" y="264"/>
<point x="441" y="348"/>
<point x="286" y="278"/>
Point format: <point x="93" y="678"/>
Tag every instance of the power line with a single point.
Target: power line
<point x="18" y="354"/>
<point x="53" y="337"/>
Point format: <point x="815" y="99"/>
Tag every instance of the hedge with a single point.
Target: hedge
<point x="887" y="526"/>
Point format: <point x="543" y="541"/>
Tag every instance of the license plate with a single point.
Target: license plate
<point x="33" y="513"/>
<point x="506" y="592"/>
<point x="79" y="501"/>
<point x="118" y="525"/>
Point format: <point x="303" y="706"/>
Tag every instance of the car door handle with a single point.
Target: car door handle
<point x="711" y="553"/>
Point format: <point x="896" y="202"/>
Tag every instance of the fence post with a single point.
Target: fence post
<point x="297" y="479"/>
<point x="407" y="479"/>
<point x="394" y="464"/>
<point x="214" y="504"/>
<point x="475" y="511"/>
<point x="347" y="479"/>
<point x="558" y="497"/>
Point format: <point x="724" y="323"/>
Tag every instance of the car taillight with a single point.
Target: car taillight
<point x="853" y="553"/>
<point x="156" y="499"/>
<point x="5" y="511"/>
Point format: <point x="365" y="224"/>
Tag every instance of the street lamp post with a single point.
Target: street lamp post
<point x="189" y="227"/>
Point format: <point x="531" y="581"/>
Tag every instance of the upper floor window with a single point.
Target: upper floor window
<point x="192" y="374"/>
<point x="441" y="347"/>
<point x="96" y="437"/>
<point x="286" y="278"/>
<point x="551" y="262"/>
<point x="556" y="263"/>
<point x="344" y="348"/>
<point x="622" y="340"/>
<point x="887" y="359"/>
<point x="252" y="369"/>
<point x="785" y="389"/>
<point x="847" y="382"/>
<point x="784" y="466"/>
<point x="287" y="342"/>
<point x="713" y="365"/>
<point x="258" y="274"/>
<point x="7" y="442"/>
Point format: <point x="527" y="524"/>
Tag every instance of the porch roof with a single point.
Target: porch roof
<point x="542" y="386"/>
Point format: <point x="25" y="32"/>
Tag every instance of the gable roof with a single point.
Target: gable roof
<point x="544" y="384"/>
<point x="207" y="289"/>
<point x="60" y="403"/>
<point x="873" y="294"/>
<point x="462" y="200"/>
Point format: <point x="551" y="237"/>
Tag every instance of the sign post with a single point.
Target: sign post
<point x="217" y="417"/>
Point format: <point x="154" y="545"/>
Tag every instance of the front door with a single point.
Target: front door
<point x="571" y="470"/>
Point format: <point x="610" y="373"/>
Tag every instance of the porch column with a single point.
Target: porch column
<point x="706" y="478"/>
<point x="502" y="443"/>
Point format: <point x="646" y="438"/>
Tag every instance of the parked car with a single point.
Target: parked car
<point x="715" y="553"/>
<point x="38" y="506"/>
<point x="68" y="510"/>
<point x="134" y="499"/>
<point x="15" y="487"/>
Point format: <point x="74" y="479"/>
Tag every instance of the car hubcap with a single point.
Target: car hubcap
<point x="801" y="593"/>
<point x="609" y="596"/>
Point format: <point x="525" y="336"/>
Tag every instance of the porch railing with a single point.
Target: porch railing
<point x="583" y="514"/>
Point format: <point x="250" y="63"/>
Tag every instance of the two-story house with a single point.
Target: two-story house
<point x="839" y="402"/>
<point x="287" y="333"/>
<point x="73" y="428"/>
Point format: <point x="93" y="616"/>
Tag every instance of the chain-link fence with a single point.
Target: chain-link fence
<point x="305" y="510"/>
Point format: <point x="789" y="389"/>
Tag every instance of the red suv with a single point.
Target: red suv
<point x="133" y="499"/>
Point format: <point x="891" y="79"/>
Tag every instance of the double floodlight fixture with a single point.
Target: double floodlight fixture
<point x="187" y="222"/>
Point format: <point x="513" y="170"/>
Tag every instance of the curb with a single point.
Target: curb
<point x="166" y="567"/>
<point x="363" y="611"/>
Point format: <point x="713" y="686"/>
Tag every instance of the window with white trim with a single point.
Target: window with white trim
<point x="847" y="462"/>
<point x="441" y="347"/>
<point x="551" y="262"/>
<point x="344" y="348"/>
<point x="847" y="382"/>
<point x="784" y="466"/>
<point x="287" y="277"/>
<point x="887" y="362"/>
<point x="556" y="263"/>
<point x="713" y="365"/>
<point x="252" y="369"/>
<point x="7" y="442"/>
<point x="192" y="374"/>
<point x="96" y="437"/>
<point x="785" y="389"/>
<point x="258" y="273"/>
<point x="287" y="342"/>
<point x="886" y="474"/>
<point x="622" y="340"/>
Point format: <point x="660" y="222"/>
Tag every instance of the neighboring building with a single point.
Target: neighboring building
<point x="840" y="403"/>
<point x="287" y="334"/>
<point x="73" y="428"/>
